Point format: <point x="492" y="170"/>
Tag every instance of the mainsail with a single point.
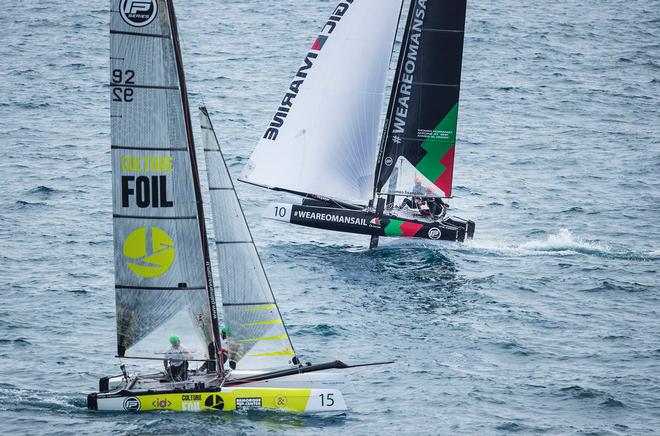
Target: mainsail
<point x="323" y="138"/>
<point x="420" y="130"/>
<point x="163" y="279"/>
<point x="258" y="338"/>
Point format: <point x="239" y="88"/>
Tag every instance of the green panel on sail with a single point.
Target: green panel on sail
<point x="258" y="338"/>
<point x="160" y="280"/>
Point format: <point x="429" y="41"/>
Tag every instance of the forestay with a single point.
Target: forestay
<point x="420" y="130"/>
<point x="323" y="138"/>
<point x="161" y="277"/>
<point x="258" y="338"/>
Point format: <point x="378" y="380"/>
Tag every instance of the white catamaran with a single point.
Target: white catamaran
<point x="163" y="278"/>
<point x="322" y="143"/>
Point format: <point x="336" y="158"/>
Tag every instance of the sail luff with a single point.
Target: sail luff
<point x="250" y="308"/>
<point x="208" y="274"/>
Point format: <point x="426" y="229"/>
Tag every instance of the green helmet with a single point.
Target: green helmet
<point x="174" y="339"/>
<point x="226" y="330"/>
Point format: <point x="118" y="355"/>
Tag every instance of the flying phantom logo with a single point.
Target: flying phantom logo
<point x="138" y="13"/>
<point x="150" y="250"/>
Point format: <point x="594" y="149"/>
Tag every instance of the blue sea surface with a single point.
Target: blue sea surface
<point x="547" y="322"/>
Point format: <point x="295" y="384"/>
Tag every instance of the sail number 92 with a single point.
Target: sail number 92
<point x="125" y="78"/>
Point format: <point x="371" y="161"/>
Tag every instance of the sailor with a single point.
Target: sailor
<point x="176" y="365"/>
<point x="417" y="191"/>
<point x="224" y="347"/>
<point x="226" y="344"/>
<point x="435" y="204"/>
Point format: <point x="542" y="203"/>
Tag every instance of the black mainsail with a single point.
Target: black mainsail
<point x="163" y="277"/>
<point x="420" y="129"/>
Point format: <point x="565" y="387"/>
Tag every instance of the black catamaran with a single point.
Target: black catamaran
<point x="163" y="276"/>
<point x="322" y="142"/>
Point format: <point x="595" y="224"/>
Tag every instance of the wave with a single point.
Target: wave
<point x="561" y="243"/>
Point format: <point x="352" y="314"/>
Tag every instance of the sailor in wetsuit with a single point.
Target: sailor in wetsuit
<point x="175" y="363"/>
<point x="425" y="200"/>
<point x="417" y="191"/>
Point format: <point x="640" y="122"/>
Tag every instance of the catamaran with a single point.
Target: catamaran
<point x="322" y="143"/>
<point x="164" y="287"/>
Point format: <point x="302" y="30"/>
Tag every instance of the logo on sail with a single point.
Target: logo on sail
<point x="138" y="13"/>
<point x="289" y="98"/>
<point x="151" y="251"/>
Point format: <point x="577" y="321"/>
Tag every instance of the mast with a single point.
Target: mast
<point x="210" y="289"/>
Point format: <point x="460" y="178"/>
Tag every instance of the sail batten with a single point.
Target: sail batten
<point x="323" y="138"/>
<point x="161" y="283"/>
<point x="258" y="338"/>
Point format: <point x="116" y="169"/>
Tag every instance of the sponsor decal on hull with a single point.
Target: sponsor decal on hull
<point x="435" y="233"/>
<point x="330" y="217"/>
<point x="132" y="404"/>
<point x="292" y="400"/>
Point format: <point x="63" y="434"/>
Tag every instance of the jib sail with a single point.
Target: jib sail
<point x="258" y="338"/>
<point x="162" y="273"/>
<point x="323" y="138"/>
<point x="420" y="130"/>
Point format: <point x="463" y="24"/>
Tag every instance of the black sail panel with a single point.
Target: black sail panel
<point x="420" y="130"/>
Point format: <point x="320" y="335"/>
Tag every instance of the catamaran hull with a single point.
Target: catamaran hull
<point x="220" y="400"/>
<point x="369" y="223"/>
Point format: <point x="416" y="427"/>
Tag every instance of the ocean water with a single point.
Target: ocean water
<point x="547" y="322"/>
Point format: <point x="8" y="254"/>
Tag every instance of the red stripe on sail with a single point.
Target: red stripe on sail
<point x="444" y="182"/>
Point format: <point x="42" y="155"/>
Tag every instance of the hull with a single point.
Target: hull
<point x="366" y="222"/>
<point x="219" y="400"/>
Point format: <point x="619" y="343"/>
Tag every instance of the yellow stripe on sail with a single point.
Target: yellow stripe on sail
<point x="270" y="321"/>
<point x="268" y="307"/>
<point x="265" y="338"/>
<point x="274" y="353"/>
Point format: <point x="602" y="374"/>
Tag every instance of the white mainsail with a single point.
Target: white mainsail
<point x="323" y="138"/>
<point x="161" y="281"/>
<point x="258" y="338"/>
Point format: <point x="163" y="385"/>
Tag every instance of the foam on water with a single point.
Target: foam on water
<point x="562" y="243"/>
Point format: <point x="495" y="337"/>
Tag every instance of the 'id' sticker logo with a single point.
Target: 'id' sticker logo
<point x="138" y="13"/>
